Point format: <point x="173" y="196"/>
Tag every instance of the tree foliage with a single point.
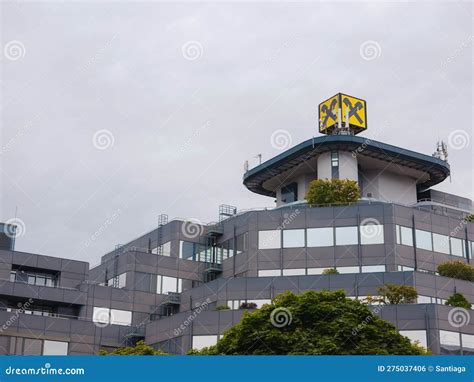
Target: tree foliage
<point x="457" y="270"/>
<point x="141" y="348"/>
<point x="333" y="191"/>
<point x="459" y="301"/>
<point x="312" y="323"/>
<point x="397" y="294"/>
<point x="331" y="271"/>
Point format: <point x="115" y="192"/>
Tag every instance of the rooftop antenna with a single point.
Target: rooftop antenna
<point x="259" y="156"/>
<point x="246" y="166"/>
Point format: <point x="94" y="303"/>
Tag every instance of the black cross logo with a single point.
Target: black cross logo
<point x="328" y="111"/>
<point x="353" y="110"/>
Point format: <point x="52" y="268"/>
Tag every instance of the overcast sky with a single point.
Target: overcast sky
<point x="116" y="112"/>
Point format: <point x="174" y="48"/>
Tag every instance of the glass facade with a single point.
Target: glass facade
<point x="293" y="238"/>
<point x="289" y="193"/>
<point x="269" y="272"/>
<point x="270" y="239"/>
<point x="346" y="236"/>
<point x="320" y="237"/>
<point x="55" y="348"/>
<point x="371" y="234"/>
<point x="166" y="284"/>
<point x="423" y="240"/>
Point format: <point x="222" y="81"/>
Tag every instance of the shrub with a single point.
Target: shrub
<point x="397" y="294"/>
<point x="457" y="270"/>
<point x="334" y="191"/>
<point x="459" y="301"/>
<point x="248" y="305"/>
<point x="313" y="323"/>
<point x="141" y="348"/>
<point x="331" y="271"/>
<point x="222" y="307"/>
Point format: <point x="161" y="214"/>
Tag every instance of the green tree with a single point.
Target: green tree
<point x="334" y="191"/>
<point x="394" y="294"/>
<point x="459" y="301"/>
<point x="312" y="323"/>
<point x="470" y="218"/>
<point x="331" y="271"/>
<point x="457" y="270"/>
<point x="141" y="348"/>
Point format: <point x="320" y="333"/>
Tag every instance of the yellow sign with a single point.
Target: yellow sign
<point x="355" y="109"/>
<point x="328" y="113"/>
<point x="342" y="106"/>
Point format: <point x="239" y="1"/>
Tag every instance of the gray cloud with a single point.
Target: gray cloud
<point x="183" y="127"/>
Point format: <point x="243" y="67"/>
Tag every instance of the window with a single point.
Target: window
<point x="467" y="341"/>
<point x="143" y="282"/>
<point x="166" y="284"/>
<point x="270" y="239"/>
<point x="241" y="243"/>
<point x="106" y="316"/>
<point x="55" y="348"/>
<point x="423" y="240"/>
<point x="423" y="300"/>
<point x="348" y="269"/>
<point x="122" y="281"/>
<point x="371" y="234"/>
<point x="334" y="159"/>
<point x="289" y="193"/>
<point x="404" y="235"/>
<point x="449" y="338"/>
<point x="315" y="271"/>
<point x="441" y="243"/>
<point x="457" y="247"/>
<point x="320" y="237"/>
<point x="34" y="278"/>
<point x="373" y="268"/>
<point x="101" y="315"/>
<point x="403" y="268"/>
<point x="120" y="317"/>
<point x="346" y="236"/>
<point x="186" y="250"/>
<point x="293" y="238"/>
<point x="416" y="336"/>
<point x="200" y="342"/>
<point x="269" y="272"/>
<point x="294" y="272"/>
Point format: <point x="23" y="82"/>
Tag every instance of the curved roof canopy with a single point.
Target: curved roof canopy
<point x="436" y="169"/>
